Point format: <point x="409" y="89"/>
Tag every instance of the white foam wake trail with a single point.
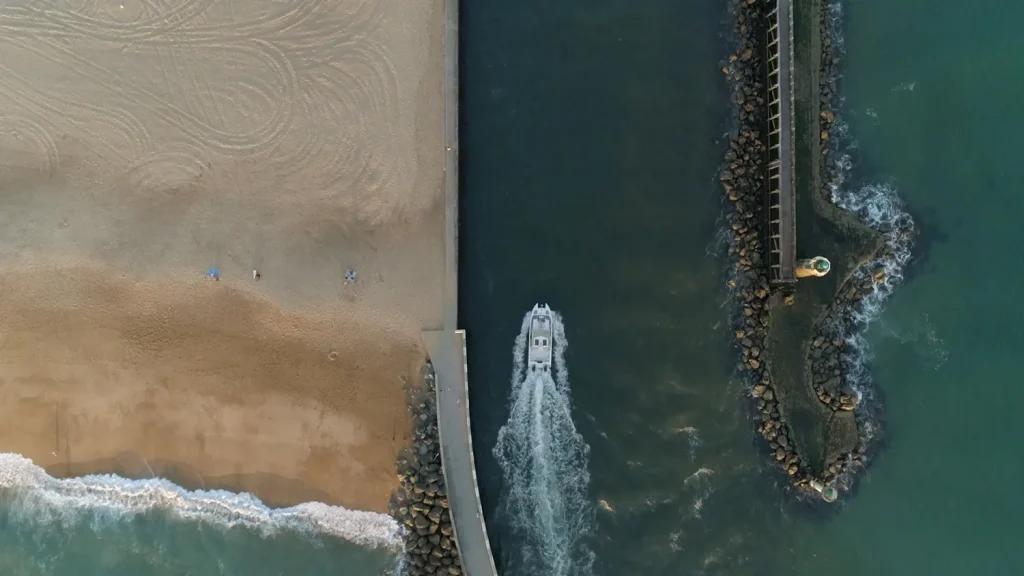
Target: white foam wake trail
<point x="38" y="497"/>
<point x="544" y="461"/>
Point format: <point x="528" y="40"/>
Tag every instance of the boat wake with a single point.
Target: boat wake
<point x="32" y="495"/>
<point x="544" y="462"/>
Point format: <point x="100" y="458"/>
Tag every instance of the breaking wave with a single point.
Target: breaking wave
<point x="700" y="483"/>
<point x="32" y="495"/>
<point x="882" y="209"/>
<point x="544" y="462"/>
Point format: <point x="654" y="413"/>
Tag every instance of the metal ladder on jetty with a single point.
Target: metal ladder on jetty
<point x="781" y="249"/>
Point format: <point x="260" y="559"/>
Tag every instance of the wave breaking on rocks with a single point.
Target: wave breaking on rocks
<point x="421" y="502"/>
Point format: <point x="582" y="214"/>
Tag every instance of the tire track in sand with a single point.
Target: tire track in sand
<point x="130" y="138"/>
<point x="321" y="100"/>
<point x="348" y="90"/>
<point x="25" y="143"/>
<point x="147" y="99"/>
<point x="85" y="22"/>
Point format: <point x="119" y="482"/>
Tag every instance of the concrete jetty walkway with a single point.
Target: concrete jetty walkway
<point x="448" y="353"/>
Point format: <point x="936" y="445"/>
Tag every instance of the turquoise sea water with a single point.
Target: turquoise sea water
<point x="592" y="133"/>
<point x="933" y="98"/>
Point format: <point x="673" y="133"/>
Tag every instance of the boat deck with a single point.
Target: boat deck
<point x="540" y="339"/>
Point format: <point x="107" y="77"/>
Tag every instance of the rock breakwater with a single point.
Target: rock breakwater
<point x="743" y="180"/>
<point x="801" y="345"/>
<point x="421" y="502"/>
<point x="830" y="354"/>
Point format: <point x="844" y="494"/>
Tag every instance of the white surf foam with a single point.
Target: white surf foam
<point x="882" y="209"/>
<point x="835" y="24"/>
<point x="544" y="461"/>
<point x="700" y="483"/>
<point x="35" y="496"/>
<point x="693" y="440"/>
<point x="927" y="344"/>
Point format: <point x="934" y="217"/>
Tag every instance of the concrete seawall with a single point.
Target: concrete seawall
<point x="447" y="347"/>
<point x="458" y="463"/>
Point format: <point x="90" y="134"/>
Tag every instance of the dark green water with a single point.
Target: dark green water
<point x="591" y="138"/>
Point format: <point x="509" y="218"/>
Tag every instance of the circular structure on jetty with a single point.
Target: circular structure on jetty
<point x="829" y="494"/>
<point x="817" y="266"/>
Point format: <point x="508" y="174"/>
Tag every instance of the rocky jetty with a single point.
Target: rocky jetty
<point x="828" y="352"/>
<point x="814" y="319"/>
<point x="831" y="163"/>
<point x="743" y="179"/>
<point x="831" y="358"/>
<point x="421" y="502"/>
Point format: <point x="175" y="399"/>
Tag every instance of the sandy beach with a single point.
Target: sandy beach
<point x="143" y="143"/>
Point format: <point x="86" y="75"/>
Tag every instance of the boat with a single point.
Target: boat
<point x="539" y="355"/>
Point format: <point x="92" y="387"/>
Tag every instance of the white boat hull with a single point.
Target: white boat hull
<point x="541" y="339"/>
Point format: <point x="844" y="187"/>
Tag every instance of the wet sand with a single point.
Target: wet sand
<point x="206" y="379"/>
<point x="142" y="143"/>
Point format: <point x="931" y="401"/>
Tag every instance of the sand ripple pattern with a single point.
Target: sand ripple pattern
<point x="307" y="90"/>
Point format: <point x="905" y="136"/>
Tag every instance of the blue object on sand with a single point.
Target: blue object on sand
<point x="213" y="273"/>
<point x="350" y="275"/>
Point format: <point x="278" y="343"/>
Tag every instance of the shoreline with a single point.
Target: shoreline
<point x="27" y="488"/>
<point x="206" y="381"/>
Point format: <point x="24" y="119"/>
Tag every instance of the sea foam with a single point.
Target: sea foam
<point x="32" y="493"/>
